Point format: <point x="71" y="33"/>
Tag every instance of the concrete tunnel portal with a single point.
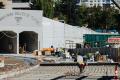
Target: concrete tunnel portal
<point x="8" y="42"/>
<point x="28" y="40"/>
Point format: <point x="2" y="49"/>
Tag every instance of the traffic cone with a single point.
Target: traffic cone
<point x="116" y="73"/>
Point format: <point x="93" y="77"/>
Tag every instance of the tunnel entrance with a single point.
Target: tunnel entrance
<point x="8" y="42"/>
<point x="28" y="41"/>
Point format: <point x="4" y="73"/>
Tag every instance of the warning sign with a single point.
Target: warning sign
<point x="114" y="40"/>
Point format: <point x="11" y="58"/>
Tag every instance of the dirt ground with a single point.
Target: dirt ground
<point x="12" y="64"/>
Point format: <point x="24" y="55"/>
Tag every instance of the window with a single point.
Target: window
<point x="20" y="1"/>
<point x="91" y="1"/>
<point x="84" y="0"/>
<point x="103" y="0"/>
<point x="98" y="4"/>
<point x="107" y="1"/>
<point x="91" y="4"/>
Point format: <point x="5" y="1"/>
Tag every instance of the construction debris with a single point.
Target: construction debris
<point x="2" y="63"/>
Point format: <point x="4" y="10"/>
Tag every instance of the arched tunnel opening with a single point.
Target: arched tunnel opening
<point x="8" y="42"/>
<point x="28" y="41"/>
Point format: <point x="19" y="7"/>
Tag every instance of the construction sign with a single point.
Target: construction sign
<point x="114" y="40"/>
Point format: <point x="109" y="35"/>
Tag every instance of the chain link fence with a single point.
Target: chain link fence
<point x="73" y="71"/>
<point x="113" y="53"/>
<point x="68" y="69"/>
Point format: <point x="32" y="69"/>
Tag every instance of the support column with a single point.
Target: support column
<point x="40" y="35"/>
<point x="39" y="42"/>
<point x="17" y="43"/>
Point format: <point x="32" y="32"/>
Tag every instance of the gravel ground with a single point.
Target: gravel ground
<point x="14" y="64"/>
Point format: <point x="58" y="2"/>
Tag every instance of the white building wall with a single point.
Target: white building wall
<point x="22" y="20"/>
<point x="53" y="33"/>
<point x="60" y="34"/>
<point x="50" y="32"/>
<point x="56" y="33"/>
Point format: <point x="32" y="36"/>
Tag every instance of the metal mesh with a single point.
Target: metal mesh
<point x="65" y="70"/>
<point x="101" y="70"/>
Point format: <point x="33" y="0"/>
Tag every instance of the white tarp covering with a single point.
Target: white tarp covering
<point x="57" y="34"/>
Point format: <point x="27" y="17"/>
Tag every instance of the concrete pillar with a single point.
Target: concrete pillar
<point x="17" y="43"/>
<point x="39" y="42"/>
<point x="40" y="36"/>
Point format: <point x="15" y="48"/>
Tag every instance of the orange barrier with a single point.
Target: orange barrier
<point x="48" y="50"/>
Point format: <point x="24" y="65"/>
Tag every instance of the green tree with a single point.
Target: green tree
<point x="81" y="16"/>
<point x="95" y="17"/>
<point x="99" y="18"/>
<point x="66" y="8"/>
<point x="107" y="18"/>
<point x="117" y="22"/>
<point x="46" y="5"/>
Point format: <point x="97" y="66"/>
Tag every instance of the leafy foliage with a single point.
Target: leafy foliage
<point x="46" y="5"/>
<point x="67" y="8"/>
<point x="94" y="17"/>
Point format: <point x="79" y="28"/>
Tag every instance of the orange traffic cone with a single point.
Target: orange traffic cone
<point x="116" y="73"/>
